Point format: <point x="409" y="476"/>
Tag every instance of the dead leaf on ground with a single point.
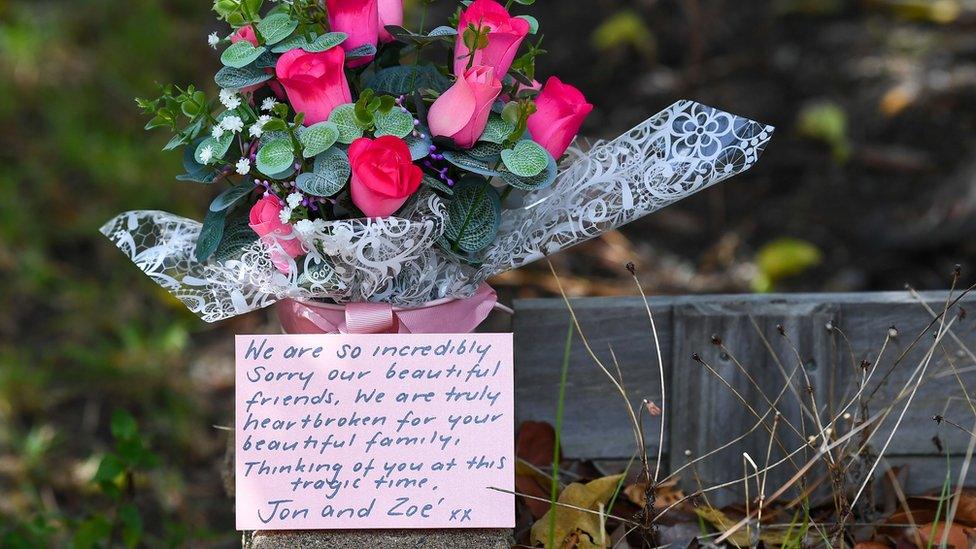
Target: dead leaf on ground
<point x="535" y="443"/>
<point x="960" y="537"/>
<point x="666" y="494"/>
<point x="534" y="448"/>
<point x="575" y="528"/>
<point x="872" y="545"/>
<point x="531" y="482"/>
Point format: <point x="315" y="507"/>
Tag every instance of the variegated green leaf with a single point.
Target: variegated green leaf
<point x="318" y="137"/>
<point x="241" y="54"/>
<point x="526" y="159"/>
<point x="276" y="27"/>
<point x="344" y="117"/>
<point x="275" y="157"/>
<point x="396" y="122"/>
<point x="330" y="174"/>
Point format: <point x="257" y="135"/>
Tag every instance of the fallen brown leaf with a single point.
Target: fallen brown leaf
<point x="666" y="494"/>
<point x="960" y="537"/>
<point x="535" y="443"/>
<point x="573" y="527"/>
<point x="872" y="545"/>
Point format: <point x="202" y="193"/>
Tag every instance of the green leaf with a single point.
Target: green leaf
<point x="276" y="27"/>
<point x="465" y="162"/>
<point x="231" y="196"/>
<point x="473" y="215"/>
<point x="405" y="79"/>
<point x="437" y="184"/>
<point x="497" y="129"/>
<point x="540" y="181"/>
<point x="123" y="425"/>
<point x="238" y="235"/>
<point x="266" y="60"/>
<point x="526" y="159"/>
<point x="317" y="44"/>
<point x="366" y="50"/>
<point x="419" y="146"/>
<point x="533" y="23"/>
<point x="109" y="468"/>
<point x="442" y="31"/>
<point x="275" y="157"/>
<point x="131" y="524"/>
<point x="210" y="234"/>
<point x="344" y="117"/>
<point x="240" y="78"/>
<point x="783" y="258"/>
<point x="318" y="137"/>
<point x="485" y="151"/>
<point x="219" y="147"/>
<point x="90" y="532"/>
<point x="196" y="172"/>
<point x="396" y="122"/>
<point x="241" y="54"/>
<point x="510" y="113"/>
<point x="330" y="174"/>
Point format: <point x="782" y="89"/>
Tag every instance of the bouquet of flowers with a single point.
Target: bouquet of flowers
<point x="357" y="166"/>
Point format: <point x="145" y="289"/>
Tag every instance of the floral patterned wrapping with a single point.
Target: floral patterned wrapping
<point x="679" y="151"/>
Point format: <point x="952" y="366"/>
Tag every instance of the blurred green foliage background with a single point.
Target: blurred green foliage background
<point x="109" y="389"/>
<point x="81" y="333"/>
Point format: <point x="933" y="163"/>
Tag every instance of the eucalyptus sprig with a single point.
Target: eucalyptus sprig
<point x="173" y="104"/>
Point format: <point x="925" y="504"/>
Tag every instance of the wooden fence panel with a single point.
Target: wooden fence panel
<point x="702" y="413"/>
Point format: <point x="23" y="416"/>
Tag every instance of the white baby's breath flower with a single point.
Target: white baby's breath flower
<point x="268" y="104"/>
<point x="258" y="127"/>
<point x="230" y="99"/>
<point x="304" y="226"/>
<point x="294" y="199"/>
<point x="318" y="224"/>
<point x="213" y="40"/>
<point x="206" y="154"/>
<point x="285" y="215"/>
<point x="232" y="123"/>
<point x="243" y="166"/>
<point x="217" y="131"/>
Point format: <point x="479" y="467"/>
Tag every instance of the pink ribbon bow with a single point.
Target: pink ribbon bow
<point x="441" y="316"/>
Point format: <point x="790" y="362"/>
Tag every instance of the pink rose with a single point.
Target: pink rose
<point x="391" y="13"/>
<point x="245" y="33"/>
<point x="505" y="36"/>
<point x="383" y="174"/>
<point x="560" y="111"/>
<point x="266" y="222"/>
<point x="462" y="111"/>
<point x="314" y="82"/>
<point x="357" y="18"/>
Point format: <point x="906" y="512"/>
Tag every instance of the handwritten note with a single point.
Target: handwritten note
<point x="374" y="431"/>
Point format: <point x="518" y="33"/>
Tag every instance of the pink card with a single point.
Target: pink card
<point x="375" y="431"/>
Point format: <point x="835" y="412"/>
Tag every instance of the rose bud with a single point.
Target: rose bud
<point x="265" y="220"/>
<point x="245" y="33"/>
<point x="383" y="175"/>
<point x="357" y="18"/>
<point x="461" y="112"/>
<point x="560" y="111"/>
<point x="391" y="13"/>
<point x="314" y="82"/>
<point x="504" y="37"/>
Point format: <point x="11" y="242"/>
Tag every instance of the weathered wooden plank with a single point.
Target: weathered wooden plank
<point x="596" y="421"/>
<point x="707" y="412"/>
<point x="596" y="424"/>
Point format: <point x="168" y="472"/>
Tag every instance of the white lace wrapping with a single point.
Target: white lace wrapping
<point x="678" y="152"/>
